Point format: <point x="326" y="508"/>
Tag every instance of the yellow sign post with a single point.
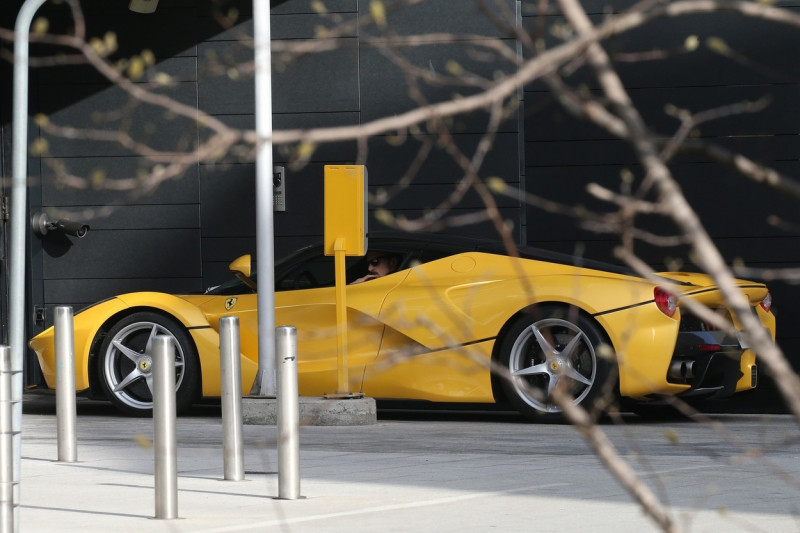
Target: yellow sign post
<point x="345" y="234"/>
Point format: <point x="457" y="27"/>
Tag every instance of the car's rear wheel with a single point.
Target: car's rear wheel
<point x="549" y="347"/>
<point x="125" y="363"/>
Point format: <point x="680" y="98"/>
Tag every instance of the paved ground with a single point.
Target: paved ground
<point x="432" y="471"/>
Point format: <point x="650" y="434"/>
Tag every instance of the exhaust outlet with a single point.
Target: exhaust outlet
<point x="681" y="370"/>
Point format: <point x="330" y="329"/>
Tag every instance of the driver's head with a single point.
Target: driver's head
<point x="380" y="264"/>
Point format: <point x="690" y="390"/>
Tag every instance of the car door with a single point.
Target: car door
<point x="428" y="349"/>
<point x="306" y="299"/>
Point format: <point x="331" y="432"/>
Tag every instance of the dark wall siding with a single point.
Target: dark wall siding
<point x="297" y="89"/>
<point x="384" y="92"/>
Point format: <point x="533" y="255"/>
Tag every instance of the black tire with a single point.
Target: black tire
<point x="124" y="363"/>
<point x="575" y="341"/>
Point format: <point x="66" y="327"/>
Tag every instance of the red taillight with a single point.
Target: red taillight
<point x="709" y="347"/>
<point x="666" y="302"/>
<point x="766" y="303"/>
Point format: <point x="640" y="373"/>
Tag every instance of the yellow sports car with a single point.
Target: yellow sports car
<point x="454" y="320"/>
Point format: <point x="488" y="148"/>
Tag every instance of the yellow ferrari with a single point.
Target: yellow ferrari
<point x="454" y="321"/>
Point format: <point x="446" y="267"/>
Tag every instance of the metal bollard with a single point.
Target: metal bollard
<point x="7" y="482"/>
<point x="231" y="377"/>
<point x="65" y="385"/>
<point x="164" y="441"/>
<point x="288" y="413"/>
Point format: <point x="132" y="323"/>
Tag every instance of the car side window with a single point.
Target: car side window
<point x="360" y="266"/>
<point x="312" y="274"/>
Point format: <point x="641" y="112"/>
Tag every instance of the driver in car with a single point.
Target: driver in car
<point x="378" y="264"/>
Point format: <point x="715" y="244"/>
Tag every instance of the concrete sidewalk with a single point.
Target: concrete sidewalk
<point x="451" y="472"/>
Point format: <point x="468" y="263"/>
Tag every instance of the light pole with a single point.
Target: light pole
<point x="18" y="223"/>
<point x="265" y="383"/>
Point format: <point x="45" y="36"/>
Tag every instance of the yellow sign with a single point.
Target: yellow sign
<point x="346" y="208"/>
<point x="345" y="234"/>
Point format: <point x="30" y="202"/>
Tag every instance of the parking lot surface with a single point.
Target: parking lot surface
<point x="437" y="471"/>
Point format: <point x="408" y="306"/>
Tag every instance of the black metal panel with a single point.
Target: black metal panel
<point x="134" y="35"/>
<point x="326" y="81"/>
<point x="101" y="180"/>
<point x="296" y="26"/>
<point x="445" y="16"/>
<point x="114" y="112"/>
<point x="732" y="50"/>
<point x="292" y="7"/>
<point x="169" y="253"/>
<point x="384" y="76"/>
<point x="754" y="58"/>
<point x="779" y="115"/>
<point x="391" y="158"/>
<point x="601" y="152"/>
<point x="180" y="68"/>
<point x="227" y="200"/>
<point x="578" y="153"/>
<point x="729" y="205"/>
<point x="332" y="152"/>
<point x="385" y="91"/>
<point x="457" y="221"/>
<point x="146" y="217"/>
<point x="226" y="249"/>
<point x="422" y="196"/>
<point x="545" y="120"/>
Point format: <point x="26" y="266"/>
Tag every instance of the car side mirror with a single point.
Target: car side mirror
<point x="242" y="268"/>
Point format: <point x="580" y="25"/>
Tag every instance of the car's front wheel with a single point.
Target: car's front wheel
<point x="125" y="363"/>
<point x="548" y="348"/>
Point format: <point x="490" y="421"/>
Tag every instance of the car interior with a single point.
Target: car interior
<point x="316" y="270"/>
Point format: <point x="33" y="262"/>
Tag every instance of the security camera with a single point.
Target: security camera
<point x="42" y="225"/>
<point x="76" y="229"/>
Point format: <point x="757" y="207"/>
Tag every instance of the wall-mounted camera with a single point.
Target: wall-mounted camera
<point x="42" y="225"/>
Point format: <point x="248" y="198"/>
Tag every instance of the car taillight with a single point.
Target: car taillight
<point x="766" y="303"/>
<point x="666" y="302"/>
<point x="709" y="347"/>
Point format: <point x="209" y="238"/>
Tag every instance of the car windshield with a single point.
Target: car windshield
<point x="231" y="287"/>
<point x="307" y="268"/>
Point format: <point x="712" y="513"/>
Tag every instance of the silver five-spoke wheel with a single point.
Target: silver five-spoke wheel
<point x="549" y="351"/>
<point x="126" y="362"/>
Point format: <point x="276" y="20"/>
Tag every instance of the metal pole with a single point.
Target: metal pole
<point x="264" y="384"/>
<point x="164" y="441"/>
<point x="19" y="224"/>
<point x="288" y="414"/>
<point x="7" y="479"/>
<point x="65" y="385"/>
<point x="231" y="376"/>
